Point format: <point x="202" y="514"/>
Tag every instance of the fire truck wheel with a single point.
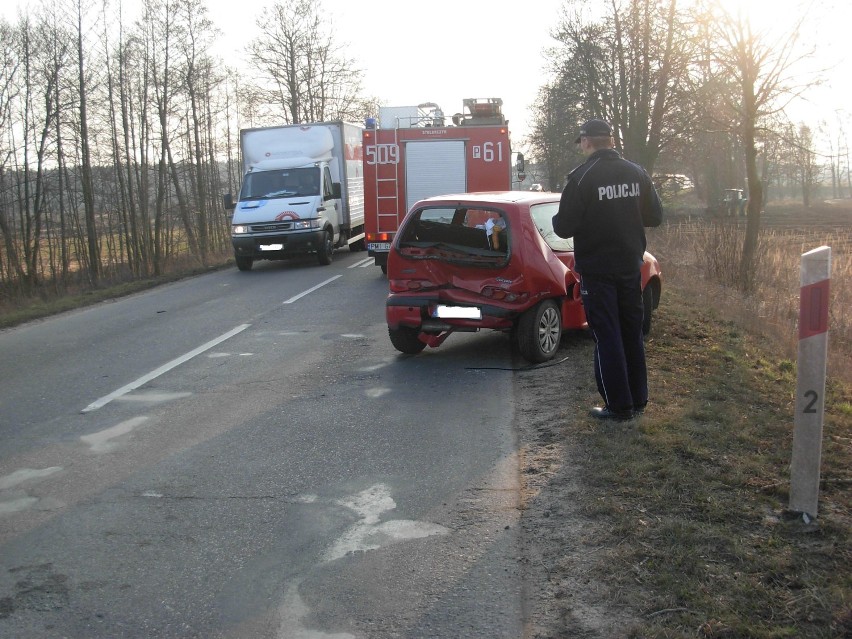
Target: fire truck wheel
<point x="355" y="247"/>
<point x="539" y="332"/>
<point x="244" y="263"/>
<point x="326" y="250"/>
<point x="404" y="339"/>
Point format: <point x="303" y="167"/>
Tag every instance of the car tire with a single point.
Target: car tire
<point x="325" y="252"/>
<point x="539" y="332"/>
<point x="244" y="263"/>
<point x="405" y="340"/>
<point x="648" y="309"/>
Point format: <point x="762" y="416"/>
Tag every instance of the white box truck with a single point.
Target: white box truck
<point x="302" y="192"/>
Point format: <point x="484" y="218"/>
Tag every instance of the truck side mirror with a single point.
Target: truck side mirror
<point x="519" y="164"/>
<point x="228" y="201"/>
<point x="335" y="191"/>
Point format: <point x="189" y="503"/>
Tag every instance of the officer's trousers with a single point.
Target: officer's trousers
<point x="613" y="306"/>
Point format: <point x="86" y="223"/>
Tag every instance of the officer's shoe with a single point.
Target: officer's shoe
<point x="606" y="412"/>
<point x="639" y="409"/>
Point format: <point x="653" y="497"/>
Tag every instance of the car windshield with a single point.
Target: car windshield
<point x="542" y="215"/>
<point x="456" y="233"/>
<point x="281" y="183"/>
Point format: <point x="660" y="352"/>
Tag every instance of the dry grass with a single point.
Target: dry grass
<point x="702" y="254"/>
<point x="679" y="520"/>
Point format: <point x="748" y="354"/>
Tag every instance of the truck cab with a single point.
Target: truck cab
<point x="286" y="211"/>
<point x="302" y="192"/>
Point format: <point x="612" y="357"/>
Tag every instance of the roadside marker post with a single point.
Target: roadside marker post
<point x="810" y="381"/>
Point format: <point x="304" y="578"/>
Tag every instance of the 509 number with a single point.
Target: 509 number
<point x="382" y="154"/>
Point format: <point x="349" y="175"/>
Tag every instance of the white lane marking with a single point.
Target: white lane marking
<point x="165" y="368"/>
<point x="156" y="398"/>
<point x="17" y="505"/>
<point x="368" y="533"/>
<point x="292" y="613"/>
<point x="311" y="290"/>
<point x="100" y="442"/>
<point x="365" y="262"/>
<point x="26" y="474"/>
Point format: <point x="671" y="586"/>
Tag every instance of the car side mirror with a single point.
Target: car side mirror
<point x="228" y="202"/>
<point x="335" y="191"/>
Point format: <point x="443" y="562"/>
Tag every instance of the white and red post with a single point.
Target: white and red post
<point x="810" y="383"/>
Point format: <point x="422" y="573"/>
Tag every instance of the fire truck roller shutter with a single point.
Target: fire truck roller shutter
<point x="434" y="168"/>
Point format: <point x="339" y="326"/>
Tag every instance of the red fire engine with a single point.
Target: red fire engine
<point x="413" y="154"/>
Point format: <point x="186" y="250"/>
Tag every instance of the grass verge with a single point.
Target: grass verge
<point x="690" y="500"/>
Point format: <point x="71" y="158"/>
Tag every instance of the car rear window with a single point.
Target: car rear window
<point x="472" y="235"/>
<point x="542" y="215"/>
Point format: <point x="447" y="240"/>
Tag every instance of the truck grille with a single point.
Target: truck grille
<point x="271" y="227"/>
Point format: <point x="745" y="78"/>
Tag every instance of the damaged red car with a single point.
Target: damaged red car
<point x="476" y="261"/>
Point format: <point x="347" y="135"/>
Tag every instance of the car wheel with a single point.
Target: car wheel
<point x="539" y="332"/>
<point x="244" y="263"/>
<point x="326" y="250"/>
<point x="648" y="305"/>
<point x="405" y="340"/>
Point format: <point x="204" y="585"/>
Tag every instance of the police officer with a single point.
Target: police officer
<point x="605" y="206"/>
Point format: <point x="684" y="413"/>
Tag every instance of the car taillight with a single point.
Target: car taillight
<point x="494" y="293"/>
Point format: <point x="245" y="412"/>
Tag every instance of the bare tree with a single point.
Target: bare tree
<point x="304" y="75"/>
<point x="88" y="189"/>
<point x="758" y="67"/>
<point x="630" y="68"/>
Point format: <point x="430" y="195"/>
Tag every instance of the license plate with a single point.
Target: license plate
<point x="457" y="312"/>
<point x="378" y="246"/>
<point x="271" y="247"/>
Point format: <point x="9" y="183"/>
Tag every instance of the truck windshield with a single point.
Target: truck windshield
<point x="281" y="183"/>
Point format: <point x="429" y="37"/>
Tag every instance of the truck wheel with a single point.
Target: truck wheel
<point x="539" y="332"/>
<point x="244" y="263"/>
<point x="326" y="250"/>
<point x="357" y="246"/>
<point x="404" y="339"/>
<point x="648" y="305"/>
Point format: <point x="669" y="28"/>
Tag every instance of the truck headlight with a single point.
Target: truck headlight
<point x="301" y="225"/>
<point x="239" y="229"/>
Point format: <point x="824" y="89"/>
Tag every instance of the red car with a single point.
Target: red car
<point x="472" y="261"/>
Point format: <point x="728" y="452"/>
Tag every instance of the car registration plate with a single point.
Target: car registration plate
<point x="457" y="312"/>
<point x="379" y="246"/>
<point x="271" y="247"/>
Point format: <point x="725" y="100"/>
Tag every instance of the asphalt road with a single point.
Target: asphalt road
<point x="246" y="455"/>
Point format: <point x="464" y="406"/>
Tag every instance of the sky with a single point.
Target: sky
<point x="416" y="52"/>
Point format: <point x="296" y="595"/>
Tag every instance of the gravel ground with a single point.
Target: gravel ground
<point x="561" y="538"/>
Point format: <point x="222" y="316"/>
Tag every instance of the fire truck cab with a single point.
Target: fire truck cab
<point x="412" y="153"/>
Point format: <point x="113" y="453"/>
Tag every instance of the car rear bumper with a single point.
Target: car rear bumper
<point x="418" y="312"/>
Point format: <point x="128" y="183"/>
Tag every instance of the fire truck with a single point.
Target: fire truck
<point x="412" y="153"/>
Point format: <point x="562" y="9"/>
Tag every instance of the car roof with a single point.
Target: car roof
<point x="491" y="197"/>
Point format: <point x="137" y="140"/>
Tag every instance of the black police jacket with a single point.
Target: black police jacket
<point x="605" y="206"/>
